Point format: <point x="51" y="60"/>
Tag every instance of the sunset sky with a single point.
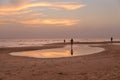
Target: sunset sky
<point x="59" y="18"/>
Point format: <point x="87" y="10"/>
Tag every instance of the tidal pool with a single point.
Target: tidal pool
<point x="76" y="50"/>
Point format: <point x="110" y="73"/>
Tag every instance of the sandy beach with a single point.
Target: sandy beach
<point x="101" y="66"/>
<point x="59" y="39"/>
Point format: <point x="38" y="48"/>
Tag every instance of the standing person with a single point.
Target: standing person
<point x="111" y="39"/>
<point x="71" y="46"/>
<point x="64" y="41"/>
<point x="71" y="41"/>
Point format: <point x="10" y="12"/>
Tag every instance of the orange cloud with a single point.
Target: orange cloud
<point x="66" y="6"/>
<point x="66" y="22"/>
<point x="14" y="12"/>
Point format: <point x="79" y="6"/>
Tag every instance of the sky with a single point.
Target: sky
<point x="59" y="18"/>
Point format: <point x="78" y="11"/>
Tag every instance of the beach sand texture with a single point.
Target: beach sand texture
<point x="102" y="66"/>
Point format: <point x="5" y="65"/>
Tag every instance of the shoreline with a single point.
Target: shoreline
<point x="50" y="46"/>
<point x="101" y="66"/>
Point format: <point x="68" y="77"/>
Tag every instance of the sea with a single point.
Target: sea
<point x="40" y="42"/>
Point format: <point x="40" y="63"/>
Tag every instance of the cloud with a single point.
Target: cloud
<point x="13" y="8"/>
<point x="8" y="3"/>
<point x="59" y="5"/>
<point x="66" y="22"/>
<point x="4" y="13"/>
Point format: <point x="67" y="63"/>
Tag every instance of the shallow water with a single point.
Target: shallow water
<point x="25" y="42"/>
<point x="77" y="50"/>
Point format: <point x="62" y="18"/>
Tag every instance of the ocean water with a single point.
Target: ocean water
<point x="39" y="42"/>
<point x="25" y="42"/>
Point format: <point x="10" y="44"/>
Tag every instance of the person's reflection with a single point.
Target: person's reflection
<point x="71" y="51"/>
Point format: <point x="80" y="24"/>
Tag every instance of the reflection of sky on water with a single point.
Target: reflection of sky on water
<point x="78" y="50"/>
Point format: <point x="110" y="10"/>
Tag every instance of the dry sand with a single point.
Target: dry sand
<point x="101" y="66"/>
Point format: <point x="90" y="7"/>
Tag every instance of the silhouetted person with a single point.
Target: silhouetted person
<point x="111" y="39"/>
<point x="64" y="41"/>
<point x="71" y="46"/>
<point x="71" y="41"/>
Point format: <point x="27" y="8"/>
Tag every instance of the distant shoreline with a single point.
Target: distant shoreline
<point x="49" y="46"/>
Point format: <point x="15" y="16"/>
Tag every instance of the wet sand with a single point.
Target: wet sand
<point x="101" y="66"/>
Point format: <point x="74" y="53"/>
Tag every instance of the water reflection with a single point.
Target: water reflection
<point x="42" y="54"/>
<point x="71" y="46"/>
<point x="68" y="51"/>
<point x="71" y="51"/>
